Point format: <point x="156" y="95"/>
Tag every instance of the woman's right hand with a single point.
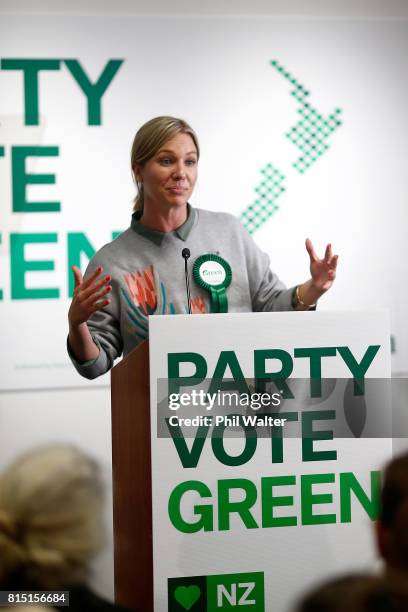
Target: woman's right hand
<point x="89" y="296"/>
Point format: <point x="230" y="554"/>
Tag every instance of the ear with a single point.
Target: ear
<point x="137" y="173"/>
<point x="381" y="539"/>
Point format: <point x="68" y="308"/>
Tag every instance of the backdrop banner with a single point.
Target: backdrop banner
<point x="302" y="127"/>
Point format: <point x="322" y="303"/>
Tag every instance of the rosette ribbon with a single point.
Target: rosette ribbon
<point x="214" y="274"/>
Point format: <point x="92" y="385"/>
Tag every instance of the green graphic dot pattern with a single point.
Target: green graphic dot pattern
<point x="309" y="135"/>
<point x="267" y="193"/>
<point x="311" y="132"/>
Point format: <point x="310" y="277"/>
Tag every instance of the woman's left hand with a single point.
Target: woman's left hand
<point x="323" y="271"/>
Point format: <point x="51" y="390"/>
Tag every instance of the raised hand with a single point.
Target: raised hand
<point x="89" y="296"/>
<point x="323" y="271"/>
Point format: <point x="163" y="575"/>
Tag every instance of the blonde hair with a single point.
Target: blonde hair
<point x="50" y="517"/>
<point x="149" y="139"/>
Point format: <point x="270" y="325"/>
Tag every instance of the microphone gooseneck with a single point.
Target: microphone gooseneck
<point x="185" y="253"/>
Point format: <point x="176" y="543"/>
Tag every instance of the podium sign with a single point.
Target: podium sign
<point x="248" y="520"/>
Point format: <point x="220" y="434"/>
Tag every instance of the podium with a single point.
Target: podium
<point x="132" y="481"/>
<point x="182" y="540"/>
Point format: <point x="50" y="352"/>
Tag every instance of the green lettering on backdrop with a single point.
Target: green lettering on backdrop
<point x="30" y="68"/>
<point x="309" y="435"/>
<point x="309" y="499"/>
<point x="204" y="511"/>
<point x="242" y="508"/>
<point x="20" y="266"/>
<point x="348" y="483"/>
<point x="21" y="179"/>
<point x="269" y="501"/>
<point x="93" y="91"/>
<point x="358" y="369"/>
<point x="78" y="243"/>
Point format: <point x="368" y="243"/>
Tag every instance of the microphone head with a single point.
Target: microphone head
<point x="185" y="253"/>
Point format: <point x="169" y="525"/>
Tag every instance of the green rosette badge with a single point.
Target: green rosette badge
<point x="213" y="273"/>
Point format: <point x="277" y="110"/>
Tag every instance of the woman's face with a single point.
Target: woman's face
<point x="169" y="177"/>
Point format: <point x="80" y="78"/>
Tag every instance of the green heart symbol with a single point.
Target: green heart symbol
<point x="187" y="596"/>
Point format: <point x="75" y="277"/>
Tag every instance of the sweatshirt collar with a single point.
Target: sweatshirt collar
<point x="156" y="236"/>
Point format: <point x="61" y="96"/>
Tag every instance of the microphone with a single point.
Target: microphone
<point x="185" y="253"/>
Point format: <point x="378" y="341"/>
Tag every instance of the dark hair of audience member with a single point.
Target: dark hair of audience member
<point x="330" y="595"/>
<point x="357" y="593"/>
<point x="392" y="526"/>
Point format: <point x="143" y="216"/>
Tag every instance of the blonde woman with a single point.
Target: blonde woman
<point x="141" y="272"/>
<point x="51" y="524"/>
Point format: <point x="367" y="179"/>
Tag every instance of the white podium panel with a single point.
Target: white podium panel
<point x="251" y="521"/>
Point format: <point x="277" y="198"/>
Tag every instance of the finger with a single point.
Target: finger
<point x="333" y="262"/>
<point x="93" y="299"/>
<point x="91" y="279"/>
<point x="77" y="276"/>
<point x="100" y="305"/>
<point x="310" y="250"/>
<point x="328" y="253"/>
<point x="86" y="293"/>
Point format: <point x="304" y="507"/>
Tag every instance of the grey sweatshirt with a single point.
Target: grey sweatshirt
<point x="147" y="271"/>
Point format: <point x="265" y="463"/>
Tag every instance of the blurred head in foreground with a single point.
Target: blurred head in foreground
<point x="332" y="595"/>
<point x="392" y="526"/>
<point x="357" y="593"/>
<point x="50" y="518"/>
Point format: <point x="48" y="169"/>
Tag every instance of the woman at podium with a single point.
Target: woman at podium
<point x="174" y="259"/>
